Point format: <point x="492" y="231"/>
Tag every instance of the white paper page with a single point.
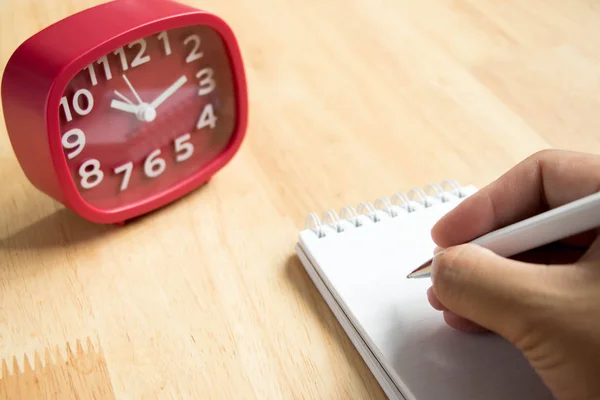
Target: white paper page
<point x="366" y="270"/>
<point x="386" y="383"/>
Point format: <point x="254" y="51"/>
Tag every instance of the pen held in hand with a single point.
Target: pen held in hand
<point x="559" y="223"/>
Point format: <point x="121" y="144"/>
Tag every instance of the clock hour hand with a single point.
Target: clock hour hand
<point x="127" y="107"/>
<point x="169" y="92"/>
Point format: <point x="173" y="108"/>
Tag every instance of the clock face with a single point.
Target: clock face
<point x="147" y="116"/>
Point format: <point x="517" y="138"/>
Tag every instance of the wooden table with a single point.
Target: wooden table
<point x="350" y="100"/>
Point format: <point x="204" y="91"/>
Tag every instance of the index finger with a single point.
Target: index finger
<point x="545" y="180"/>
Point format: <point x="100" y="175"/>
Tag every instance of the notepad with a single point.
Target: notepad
<point x="358" y="259"/>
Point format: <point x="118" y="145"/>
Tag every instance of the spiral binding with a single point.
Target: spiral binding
<point x="398" y="204"/>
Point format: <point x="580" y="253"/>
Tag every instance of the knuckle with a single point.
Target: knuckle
<point x="544" y="155"/>
<point x="460" y="263"/>
<point x="448" y="265"/>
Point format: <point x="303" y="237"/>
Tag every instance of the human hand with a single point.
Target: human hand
<point x="545" y="302"/>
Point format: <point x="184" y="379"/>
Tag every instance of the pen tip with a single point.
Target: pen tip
<point x="424" y="270"/>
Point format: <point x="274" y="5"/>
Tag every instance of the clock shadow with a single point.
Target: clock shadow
<point x="60" y="229"/>
<point x="64" y="228"/>
<point x="165" y="210"/>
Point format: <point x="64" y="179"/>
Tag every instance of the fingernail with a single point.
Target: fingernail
<point x="437" y="249"/>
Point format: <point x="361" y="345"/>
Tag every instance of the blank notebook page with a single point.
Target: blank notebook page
<point x="365" y="270"/>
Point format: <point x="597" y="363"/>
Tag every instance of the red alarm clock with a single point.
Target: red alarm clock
<point x="124" y="107"/>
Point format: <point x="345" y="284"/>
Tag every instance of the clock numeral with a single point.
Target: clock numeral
<point x="90" y="173"/>
<point x="195" y="54"/>
<point x="139" y="58"/>
<point x="107" y="74"/>
<point x="78" y="144"/>
<point x="154" y="165"/>
<point x="126" y="169"/>
<point x="89" y="98"/>
<point x="165" y="38"/>
<point x="104" y="62"/>
<point x="92" y="72"/>
<point x="207" y="81"/>
<point x="76" y="104"/>
<point x="207" y="118"/>
<point x="121" y="53"/>
<point x="183" y="148"/>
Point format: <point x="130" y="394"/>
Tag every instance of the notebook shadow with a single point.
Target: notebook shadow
<point x="304" y="286"/>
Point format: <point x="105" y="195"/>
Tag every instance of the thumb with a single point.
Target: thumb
<point x="494" y="292"/>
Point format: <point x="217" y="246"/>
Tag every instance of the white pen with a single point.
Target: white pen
<point x="559" y="223"/>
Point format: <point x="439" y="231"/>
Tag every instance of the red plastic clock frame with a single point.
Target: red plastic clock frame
<point x="39" y="70"/>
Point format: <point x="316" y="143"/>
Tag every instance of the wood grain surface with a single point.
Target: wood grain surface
<point x="349" y="101"/>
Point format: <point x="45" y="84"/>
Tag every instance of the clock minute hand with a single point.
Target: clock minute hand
<point x="167" y="93"/>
